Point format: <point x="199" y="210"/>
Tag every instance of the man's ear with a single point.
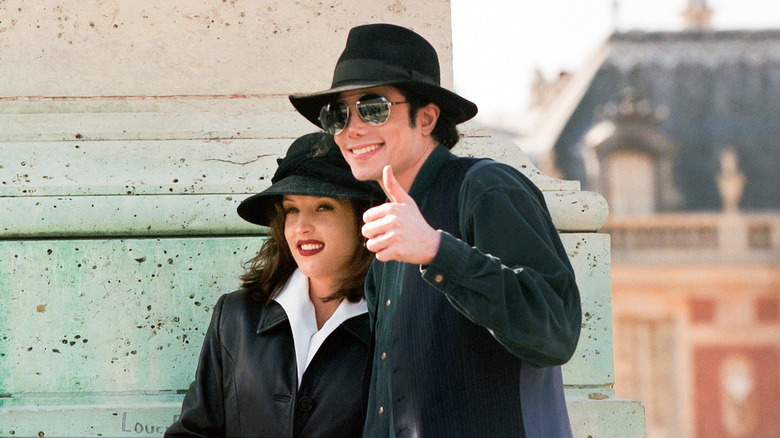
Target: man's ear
<point x="427" y="117"/>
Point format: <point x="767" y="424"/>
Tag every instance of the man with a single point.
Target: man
<point x="472" y="298"/>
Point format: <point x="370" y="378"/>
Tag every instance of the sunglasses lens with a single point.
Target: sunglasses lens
<point x="333" y="117"/>
<point x="373" y="109"/>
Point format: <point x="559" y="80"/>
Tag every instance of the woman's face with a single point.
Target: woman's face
<point x="322" y="234"/>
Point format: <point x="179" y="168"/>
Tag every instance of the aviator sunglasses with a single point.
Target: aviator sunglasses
<point x="372" y="109"/>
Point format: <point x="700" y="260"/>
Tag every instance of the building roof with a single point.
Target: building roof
<point x="715" y="90"/>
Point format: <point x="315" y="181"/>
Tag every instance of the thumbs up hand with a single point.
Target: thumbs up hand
<point x="396" y="230"/>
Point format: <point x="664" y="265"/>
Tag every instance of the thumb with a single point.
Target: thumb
<point x="392" y="188"/>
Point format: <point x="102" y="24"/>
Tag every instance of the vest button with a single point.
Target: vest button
<point x="388" y="303"/>
<point x="381" y="410"/>
<point x="384" y="356"/>
<point x="305" y="404"/>
<point x="438" y="278"/>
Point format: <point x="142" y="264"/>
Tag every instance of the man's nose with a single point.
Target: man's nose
<point x="354" y="123"/>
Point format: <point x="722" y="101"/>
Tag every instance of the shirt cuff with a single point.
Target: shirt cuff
<point x="449" y="264"/>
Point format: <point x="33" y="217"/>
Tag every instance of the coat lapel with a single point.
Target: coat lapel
<point x="273" y="316"/>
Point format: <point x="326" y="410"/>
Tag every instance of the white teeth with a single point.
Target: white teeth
<point x="311" y="246"/>
<point x="364" y="150"/>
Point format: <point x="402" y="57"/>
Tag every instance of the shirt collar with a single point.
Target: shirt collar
<point x="294" y="299"/>
<point x="427" y="174"/>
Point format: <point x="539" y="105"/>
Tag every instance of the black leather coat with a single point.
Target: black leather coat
<point x="247" y="382"/>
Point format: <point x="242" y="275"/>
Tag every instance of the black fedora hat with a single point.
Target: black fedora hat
<point x="313" y="166"/>
<point x="385" y="54"/>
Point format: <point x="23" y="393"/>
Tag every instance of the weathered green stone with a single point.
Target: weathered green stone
<point x="110" y="316"/>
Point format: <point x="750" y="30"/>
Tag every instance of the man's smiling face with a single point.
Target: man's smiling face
<point x="369" y="148"/>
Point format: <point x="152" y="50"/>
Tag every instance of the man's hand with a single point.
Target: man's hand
<point x="397" y="230"/>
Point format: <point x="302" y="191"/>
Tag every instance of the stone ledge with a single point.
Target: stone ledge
<point x="89" y="416"/>
<point x="150" y="415"/>
<point x="576" y="211"/>
<point x="610" y="417"/>
<point x="150" y="216"/>
<point x="139" y="149"/>
<point x="507" y="152"/>
<point x="189" y="119"/>
<point x="154" y="215"/>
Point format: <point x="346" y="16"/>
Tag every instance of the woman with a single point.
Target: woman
<point x="285" y="355"/>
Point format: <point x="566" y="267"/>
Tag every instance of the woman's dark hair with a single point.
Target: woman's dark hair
<point x="445" y="132"/>
<point x="273" y="265"/>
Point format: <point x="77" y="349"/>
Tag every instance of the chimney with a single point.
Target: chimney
<point x="697" y="16"/>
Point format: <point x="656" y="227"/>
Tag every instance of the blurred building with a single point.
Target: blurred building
<point x="680" y="131"/>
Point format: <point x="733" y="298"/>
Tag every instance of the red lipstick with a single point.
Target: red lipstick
<point x="309" y="247"/>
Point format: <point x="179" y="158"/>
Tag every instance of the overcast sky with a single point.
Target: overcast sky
<point x="497" y="44"/>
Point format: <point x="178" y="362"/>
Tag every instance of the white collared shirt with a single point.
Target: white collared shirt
<point x="294" y="299"/>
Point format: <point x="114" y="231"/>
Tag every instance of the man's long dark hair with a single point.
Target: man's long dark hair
<point x="273" y="265"/>
<point x="445" y="132"/>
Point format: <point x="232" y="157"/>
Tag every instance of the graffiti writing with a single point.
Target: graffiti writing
<point x="140" y="427"/>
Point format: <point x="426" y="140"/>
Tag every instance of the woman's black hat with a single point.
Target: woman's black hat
<point x="385" y="54"/>
<point x="313" y="166"/>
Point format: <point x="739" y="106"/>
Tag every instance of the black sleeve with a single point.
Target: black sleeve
<point x="510" y="273"/>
